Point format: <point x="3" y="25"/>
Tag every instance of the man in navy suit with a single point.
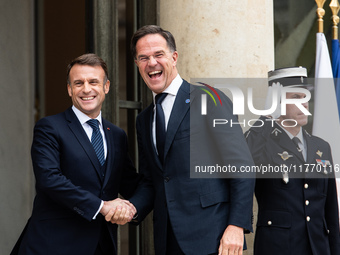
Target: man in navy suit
<point x="191" y="215"/>
<point x="75" y="188"/>
<point x="297" y="208"/>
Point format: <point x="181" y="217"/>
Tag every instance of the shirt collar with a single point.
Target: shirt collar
<point x="173" y="88"/>
<point x="299" y="135"/>
<point x="82" y="117"/>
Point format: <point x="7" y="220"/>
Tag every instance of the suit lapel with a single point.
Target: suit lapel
<point x="179" y="110"/>
<point x="111" y="146"/>
<point x="311" y="148"/>
<point x="82" y="138"/>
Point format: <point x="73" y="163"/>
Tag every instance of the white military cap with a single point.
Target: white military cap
<point x="289" y="76"/>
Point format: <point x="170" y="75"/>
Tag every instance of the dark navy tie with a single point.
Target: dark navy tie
<point x="97" y="140"/>
<point x="296" y="141"/>
<point x="160" y="125"/>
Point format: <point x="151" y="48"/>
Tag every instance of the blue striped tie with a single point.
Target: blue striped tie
<point x="97" y="140"/>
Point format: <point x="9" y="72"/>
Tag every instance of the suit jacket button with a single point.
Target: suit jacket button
<point x="269" y="223"/>
<point x="166" y="179"/>
<point x="307" y="202"/>
<point x="308" y="218"/>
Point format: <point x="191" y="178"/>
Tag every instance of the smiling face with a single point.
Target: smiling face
<point x="87" y="89"/>
<point x="293" y="112"/>
<point x="155" y="61"/>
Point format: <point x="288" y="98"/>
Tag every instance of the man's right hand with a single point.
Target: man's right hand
<point x="118" y="211"/>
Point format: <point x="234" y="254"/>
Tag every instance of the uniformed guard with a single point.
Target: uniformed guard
<point x="297" y="199"/>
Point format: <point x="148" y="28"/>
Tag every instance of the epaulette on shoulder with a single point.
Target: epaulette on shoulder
<point x="246" y="134"/>
<point x="307" y="133"/>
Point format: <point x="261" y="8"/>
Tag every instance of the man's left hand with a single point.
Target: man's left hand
<point x="232" y="241"/>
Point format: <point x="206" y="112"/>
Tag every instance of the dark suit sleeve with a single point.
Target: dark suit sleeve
<point x="229" y="147"/>
<point x="241" y="187"/>
<point x="50" y="179"/>
<point x="143" y="199"/>
<point x="130" y="178"/>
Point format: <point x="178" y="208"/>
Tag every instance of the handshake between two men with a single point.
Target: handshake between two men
<point x="118" y="211"/>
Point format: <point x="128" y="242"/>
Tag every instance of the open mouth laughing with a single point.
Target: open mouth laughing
<point x="155" y="74"/>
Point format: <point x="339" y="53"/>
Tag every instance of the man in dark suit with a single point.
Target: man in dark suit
<point x="297" y="206"/>
<point x="77" y="183"/>
<point x="191" y="215"/>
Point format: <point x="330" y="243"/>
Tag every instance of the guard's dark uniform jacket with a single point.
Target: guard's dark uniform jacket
<point x="297" y="216"/>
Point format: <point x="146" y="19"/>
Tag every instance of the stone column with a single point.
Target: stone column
<point x="106" y="46"/>
<point x="232" y="39"/>
<point x="223" y="39"/>
<point x="17" y="118"/>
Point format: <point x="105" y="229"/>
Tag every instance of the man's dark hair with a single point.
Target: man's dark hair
<point x="89" y="59"/>
<point x="152" y="29"/>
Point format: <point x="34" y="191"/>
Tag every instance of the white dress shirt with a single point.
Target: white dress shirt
<point x="82" y="117"/>
<point x="167" y="104"/>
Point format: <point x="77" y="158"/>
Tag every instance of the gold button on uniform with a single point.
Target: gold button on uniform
<point x="306" y="186"/>
<point x="269" y="223"/>
<point x="308" y="218"/>
<point x="307" y="202"/>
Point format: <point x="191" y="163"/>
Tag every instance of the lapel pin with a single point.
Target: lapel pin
<point x="108" y="128"/>
<point x="187" y="101"/>
<point x="319" y="153"/>
<point x="285" y="155"/>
